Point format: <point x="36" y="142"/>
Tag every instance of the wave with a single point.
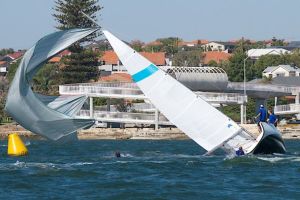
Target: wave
<point x="280" y="159"/>
<point x="40" y="165"/>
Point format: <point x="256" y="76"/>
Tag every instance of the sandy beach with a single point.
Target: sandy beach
<point x="288" y="132"/>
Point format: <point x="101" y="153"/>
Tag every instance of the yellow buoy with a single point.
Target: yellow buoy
<point x="16" y="146"/>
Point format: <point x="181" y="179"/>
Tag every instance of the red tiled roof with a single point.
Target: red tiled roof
<point x="55" y="59"/>
<point x="3" y="62"/>
<point x="158" y="58"/>
<point x="64" y="53"/>
<point x="120" y="77"/>
<point x="110" y="58"/>
<point x="216" y="56"/>
<point x="16" y="55"/>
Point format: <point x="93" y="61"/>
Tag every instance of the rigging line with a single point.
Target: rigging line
<point x="92" y="20"/>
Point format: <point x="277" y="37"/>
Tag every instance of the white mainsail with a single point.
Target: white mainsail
<point x="199" y="120"/>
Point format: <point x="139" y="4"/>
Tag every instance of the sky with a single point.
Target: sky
<point x="23" y="22"/>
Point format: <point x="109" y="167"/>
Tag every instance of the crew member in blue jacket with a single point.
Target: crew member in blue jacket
<point x="262" y="114"/>
<point x="240" y="152"/>
<point x="272" y="118"/>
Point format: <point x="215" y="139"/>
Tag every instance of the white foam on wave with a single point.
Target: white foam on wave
<point x="48" y="165"/>
<point x="280" y="159"/>
<point x="126" y="155"/>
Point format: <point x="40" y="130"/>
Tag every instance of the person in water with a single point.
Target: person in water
<point x="118" y="154"/>
<point x="272" y="118"/>
<point x="240" y="152"/>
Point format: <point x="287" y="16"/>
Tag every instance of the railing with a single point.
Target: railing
<point x="264" y="87"/>
<point x="125" y="117"/>
<point x="287" y="109"/>
<point x="104" y="90"/>
<point x="130" y="90"/>
<point x="226" y="98"/>
<point x="142" y="107"/>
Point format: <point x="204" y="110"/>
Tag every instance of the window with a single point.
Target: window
<point x="292" y="73"/>
<point x="280" y="74"/>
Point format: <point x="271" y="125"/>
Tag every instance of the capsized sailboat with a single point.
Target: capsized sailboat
<point x="203" y="123"/>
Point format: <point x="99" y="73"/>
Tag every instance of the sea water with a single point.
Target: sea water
<point x="147" y="170"/>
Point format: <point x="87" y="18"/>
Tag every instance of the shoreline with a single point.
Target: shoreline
<point x="288" y="132"/>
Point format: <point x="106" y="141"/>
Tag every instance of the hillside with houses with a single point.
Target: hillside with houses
<point x="264" y="61"/>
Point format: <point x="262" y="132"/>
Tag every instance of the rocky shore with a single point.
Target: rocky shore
<point x="288" y="132"/>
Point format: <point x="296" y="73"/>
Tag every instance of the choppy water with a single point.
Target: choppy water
<point x="147" y="170"/>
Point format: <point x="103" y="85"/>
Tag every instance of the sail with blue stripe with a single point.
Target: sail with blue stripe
<point x="203" y="123"/>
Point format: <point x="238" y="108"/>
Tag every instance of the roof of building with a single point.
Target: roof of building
<point x="294" y="44"/>
<point x="288" y="68"/>
<point x="158" y="58"/>
<point x="15" y="55"/>
<point x="215" y="56"/>
<point x="288" y="81"/>
<point x="269" y="69"/>
<point x="55" y="59"/>
<point x="269" y="51"/>
<point x="3" y="62"/>
<point x="224" y="43"/>
<point x="111" y="58"/>
<point x="119" y="77"/>
<point x="65" y="53"/>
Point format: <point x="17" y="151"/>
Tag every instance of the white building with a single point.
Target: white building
<point x="256" y="53"/>
<point x="219" y="46"/>
<point x="281" y="70"/>
<point x="213" y="46"/>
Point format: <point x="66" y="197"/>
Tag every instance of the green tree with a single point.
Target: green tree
<point x="68" y="14"/>
<point x="4" y="52"/>
<point x="212" y="63"/>
<point x="47" y="79"/>
<point x="153" y="48"/>
<point x="170" y="45"/>
<point x="188" y="58"/>
<point x="277" y="42"/>
<point x="294" y="58"/>
<point x="137" y="45"/>
<point x="235" y="66"/>
<point x="269" y="60"/>
<point x="12" y="70"/>
<point x="81" y="66"/>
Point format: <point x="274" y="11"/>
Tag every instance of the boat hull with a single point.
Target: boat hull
<point x="270" y="141"/>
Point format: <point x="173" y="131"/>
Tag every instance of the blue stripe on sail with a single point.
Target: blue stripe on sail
<point x="148" y="71"/>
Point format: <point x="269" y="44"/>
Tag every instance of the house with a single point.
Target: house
<point x="219" y="46"/>
<point x="13" y="56"/>
<point x="110" y="61"/>
<point x="3" y="67"/>
<point x="216" y="56"/>
<point x="57" y="58"/>
<point x="193" y="43"/>
<point x="257" y="53"/>
<point x="281" y="71"/>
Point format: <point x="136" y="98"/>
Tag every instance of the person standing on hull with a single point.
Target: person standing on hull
<point x="262" y="116"/>
<point x="272" y="118"/>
